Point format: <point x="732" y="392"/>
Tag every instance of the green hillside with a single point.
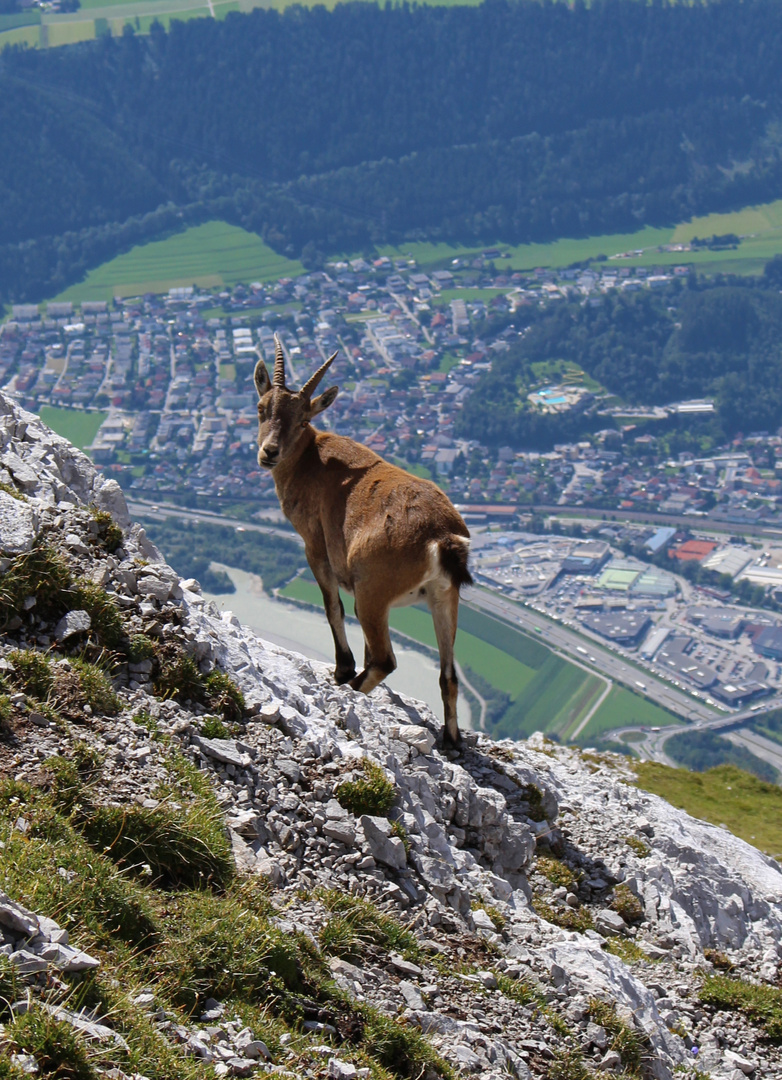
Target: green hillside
<point x="759" y="229"/>
<point x="750" y="808"/>
<point x="209" y="256"/>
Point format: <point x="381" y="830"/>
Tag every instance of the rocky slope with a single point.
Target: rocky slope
<point x="530" y="911"/>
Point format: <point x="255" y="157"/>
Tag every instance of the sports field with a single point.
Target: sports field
<point x="75" y="425"/>
<point x="547" y="692"/>
<point x="208" y="256"/>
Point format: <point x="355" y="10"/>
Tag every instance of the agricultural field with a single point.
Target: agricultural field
<point x="97" y="17"/>
<point x="750" y="808"/>
<point x="546" y="692"/>
<point x="209" y="256"/>
<point x="218" y="254"/>
<point x="760" y="228"/>
<point x="75" y="425"/>
<point x="623" y="708"/>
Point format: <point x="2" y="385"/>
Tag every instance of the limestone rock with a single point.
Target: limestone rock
<point x="19" y="525"/>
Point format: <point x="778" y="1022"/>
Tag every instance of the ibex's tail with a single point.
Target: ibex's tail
<point x="453" y="552"/>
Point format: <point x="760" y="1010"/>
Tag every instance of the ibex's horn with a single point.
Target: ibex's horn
<point x="279" y="364"/>
<point x="311" y="384"/>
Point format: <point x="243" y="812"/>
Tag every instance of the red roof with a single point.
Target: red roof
<point x="692" y="550"/>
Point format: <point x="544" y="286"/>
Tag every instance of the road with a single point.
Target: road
<point x="161" y="511"/>
<point x="602" y="662"/>
<point x="606" y="662"/>
<point x="758" y="745"/>
<point x="608" y="688"/>
<point x="686" y="521"/>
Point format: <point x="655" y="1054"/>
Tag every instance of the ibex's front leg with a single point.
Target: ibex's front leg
<point x="335" y="613"/>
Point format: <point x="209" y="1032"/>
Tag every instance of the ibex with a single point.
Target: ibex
<point x="385" y="536"/>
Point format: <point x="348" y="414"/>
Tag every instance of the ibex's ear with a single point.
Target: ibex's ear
<point x="323" y="401"/>
<point x="262" y="381"/>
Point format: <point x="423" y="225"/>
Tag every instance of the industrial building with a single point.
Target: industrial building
<point x="624" y="627"/>
<point x="586" y="558"/>
<point x="718" y="621"/>
<point x="768" y="643"/>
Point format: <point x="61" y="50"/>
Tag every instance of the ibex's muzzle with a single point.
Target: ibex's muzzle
<point x="269" y="455"/>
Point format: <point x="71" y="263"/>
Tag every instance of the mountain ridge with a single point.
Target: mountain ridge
<point x="558" y="918"/>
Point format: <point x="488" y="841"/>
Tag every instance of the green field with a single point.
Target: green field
<point x="760" y="226"/>
<point x="209" y="256"/>
<point x="218" y="254"/>
<point x="547" y="693"/>
<point x="75" y="425"/>
<point x="726" y="795"/>
<point x="623" y="708"/>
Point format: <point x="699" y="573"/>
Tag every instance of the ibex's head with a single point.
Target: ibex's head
<point x="284" y="415"/>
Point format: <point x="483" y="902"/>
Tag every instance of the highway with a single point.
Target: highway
<point x="606" y="662"/>
<point x="575" y="647"/>
<point x="684" y="521"/>
<point x="160" y="511"/>
<point x="614" y="667"/>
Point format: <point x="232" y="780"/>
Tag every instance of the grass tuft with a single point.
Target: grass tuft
<point x="369" y="924"/>
<point x="180" y="679"/>
<point x="32" y="673"/>
<point x="41" y="573"/>
<point x="626" y="949"/>
<point x="44" y="575"/>
<point x="52" y="869"/>
<point x="557" y="872"/>
<point x="96" y="687"/>
<point x="627" y="904"/>
<point x="642" y="850"/>
<point x="223" y="695"/>
<point x="6" y="712"/>
<point x="141" y="648"/>
<point x="224" y="948"/>
<point x="54" y="1045"/>
<point x="372" y="794"/>
<point x="109" y="532"/>
<point x="498" y="919"/>
<point x="179" y="847"/>
<point x="762" y="1005"/>
<point x="212" y="727"/>
<point x="568" y="918"/>
<point x="107" y="626"/>
<point x="631" y="1045"/>
<point x="719" y="959"/>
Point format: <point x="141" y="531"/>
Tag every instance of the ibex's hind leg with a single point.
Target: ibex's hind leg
<point x="445" y="610"/>
<point x="379" y="659"/>
<point x="335" y="613"/>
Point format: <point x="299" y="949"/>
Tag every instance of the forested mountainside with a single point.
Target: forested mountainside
<point x="651" y="348"/>
<point x="337" y="130"/>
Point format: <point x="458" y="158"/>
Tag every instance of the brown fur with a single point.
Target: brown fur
<point x="369" y="527"/>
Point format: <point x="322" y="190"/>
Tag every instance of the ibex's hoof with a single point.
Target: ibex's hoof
<point x="451" y="744"/>
<point x="341" y="677"/>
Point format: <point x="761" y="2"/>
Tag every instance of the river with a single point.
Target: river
<point x="304" y="631"/>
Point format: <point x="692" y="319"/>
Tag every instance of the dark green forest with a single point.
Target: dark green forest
<point x="190" y="547"/>
<point x="326" y="131"/>
<point x="702" y="750"/>
<point x="721" y="340"/>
